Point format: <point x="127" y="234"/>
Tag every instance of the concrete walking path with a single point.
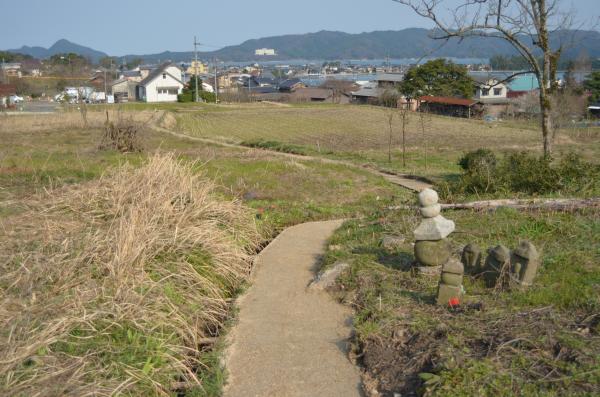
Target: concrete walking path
<point x="291" y="340"/>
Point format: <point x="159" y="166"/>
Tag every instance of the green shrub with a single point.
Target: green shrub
<point x="276" y="146"/>
<point x="480" y="171"/>
<point x="522" y="172"/>
<point x="477" y="160"/>
<point x="188" y="96"/>
<point x="185" y="96"/>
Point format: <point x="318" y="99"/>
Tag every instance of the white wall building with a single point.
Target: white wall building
<point x="163" y="84"/>
<point x="265" y="51"/>
<point x="490" y="89"/>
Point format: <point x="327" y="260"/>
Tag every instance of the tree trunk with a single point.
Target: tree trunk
<point x="546" y="106"/>
<point x="546" y="125"/>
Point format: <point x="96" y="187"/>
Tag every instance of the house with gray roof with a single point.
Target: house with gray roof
<point x="163" y="84"/>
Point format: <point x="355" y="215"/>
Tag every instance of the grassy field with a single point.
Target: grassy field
<point x="491" y="346"/>
<point x="50" y="150"/>
<point x="44" y="158"/>
<point x="543" y="341"/>
<point x="361" y="133"/>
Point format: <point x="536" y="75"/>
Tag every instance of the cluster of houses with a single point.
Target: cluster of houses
<point x="163" y="83"/>
<point x="492" y="96"/>
<point x="28" y="67"/>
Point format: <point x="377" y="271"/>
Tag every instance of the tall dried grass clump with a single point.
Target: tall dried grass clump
<point x="112" y="287"/>
<point x="122" y="134"/>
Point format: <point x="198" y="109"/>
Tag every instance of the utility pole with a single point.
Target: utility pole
<point x="216" y="83"/>
<point x="196" y="44"/>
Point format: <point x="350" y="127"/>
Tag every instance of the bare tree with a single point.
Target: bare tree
<point x="389" y="100"/>
<point x="339" y="88"/>
<point x="525" y="24"/>
<point x="424" y="119"/>
<point x="390" y="113"/>
<point x="404" y="119"/>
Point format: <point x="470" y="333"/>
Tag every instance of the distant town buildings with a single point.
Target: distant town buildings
<point x="265" y="52"/>
<point x="162" y="83"/>
<point x="11" y="69"/>
<point x="196" y="68"/>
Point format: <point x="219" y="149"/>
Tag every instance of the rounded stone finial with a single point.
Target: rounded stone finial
<point x="432" y="211"/>
<point x="428" y="197"/>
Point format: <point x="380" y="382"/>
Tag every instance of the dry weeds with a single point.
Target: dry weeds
<point x="122" y="134"/>
<point x="66" y="120"/>
<point x="119" y="254"/>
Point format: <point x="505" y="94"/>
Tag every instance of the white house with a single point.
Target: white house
<point x="163" y="84"/>
<point x="492" y="93"/>
<point x="489" y="89"/>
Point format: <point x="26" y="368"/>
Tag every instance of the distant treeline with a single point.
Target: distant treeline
<point x="6" y="56"/>
<point x="583" y="62"/>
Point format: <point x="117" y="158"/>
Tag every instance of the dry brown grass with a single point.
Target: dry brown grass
<point x="363" y="130"/>
<point x="122" y="134"/>
<point x="70" y="119"/>
<point x="109" y="287"/>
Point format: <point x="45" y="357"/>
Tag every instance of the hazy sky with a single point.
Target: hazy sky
<point x="121" y="27"/>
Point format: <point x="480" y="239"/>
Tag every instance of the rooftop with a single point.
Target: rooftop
<point x="367" y="91"/>
<point x="395" y="77"/>
<point x="7" y="89"/>
<point x="313" y="93"/>
<point x="448" y="100"/>
<point x="156" y="72"/>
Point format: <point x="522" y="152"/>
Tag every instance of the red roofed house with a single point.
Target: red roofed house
<point x="450" y="106"/>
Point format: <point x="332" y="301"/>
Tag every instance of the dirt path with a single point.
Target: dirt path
<point x="405" y="181"/>
<point x="290" y="340"/>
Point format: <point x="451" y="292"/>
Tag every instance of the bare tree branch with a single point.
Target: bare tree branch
<point x="525" y="24"/>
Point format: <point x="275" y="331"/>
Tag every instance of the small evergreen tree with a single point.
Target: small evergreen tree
<point x="439" y="78"/>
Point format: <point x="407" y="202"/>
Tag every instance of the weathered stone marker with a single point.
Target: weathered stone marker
<point x="525" y="262"/>
<point x="431" y="247"/>
<point x="471" y="259"/>
<point x="496" y="260"/>
<point x="450" y="289"/>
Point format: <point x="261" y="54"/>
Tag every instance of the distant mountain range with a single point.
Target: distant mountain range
<point x="60" y="47"/>
<point x="328" y="45"/>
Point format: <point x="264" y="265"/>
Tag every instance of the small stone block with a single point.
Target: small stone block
<point x="453" y="266"/>
<point x="525" y="262"/>
<point x="526" y="250"/>
<point x="432" y="253"/>
<point x="433" y="229"/>
<point x="452" y="279"/>
<point x="448" y="292"/>
<point x="501" y="254"/>
<point x="471" y="259"/>
<point x="497" y="258"/>
<point x="429" y="270"/>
